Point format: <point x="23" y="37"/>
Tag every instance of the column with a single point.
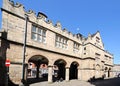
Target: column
<point x="67" y="74"/>
<point x="79" y="74"/>
<point x="107" y="74"/>
<point x="50" y="74"/>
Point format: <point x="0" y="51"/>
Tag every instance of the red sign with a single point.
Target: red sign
<point x="7" y="63"/>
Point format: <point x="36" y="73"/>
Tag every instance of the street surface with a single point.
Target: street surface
<point x="106" y="82"/>
<point x="64" y="83"/>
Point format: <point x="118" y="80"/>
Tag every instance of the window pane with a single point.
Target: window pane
<point x="39" y="31"/>
<point x="44" y="40"/>
<point x="65" y="41"/>
<point x="58" y="38"/>
<point x="57" y="44"/>
<point x="61" y="40"/>
<point x="39" y="38"/>
<point x="44" y="33"/>
<point x="60" y="45"/>
<point x="34" y="36"/>
<point x="63" y="46"/>
<point x="34" y="29"/>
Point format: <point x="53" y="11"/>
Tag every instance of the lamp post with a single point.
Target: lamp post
<point x="24" y="51"/>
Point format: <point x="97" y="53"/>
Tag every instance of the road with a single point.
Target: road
<point x="63" y="83"/>
<point x="107" y="82"/>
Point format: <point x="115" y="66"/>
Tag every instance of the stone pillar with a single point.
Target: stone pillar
<point x="67" y="74"/>
<point x="111" y="74"/>
<point x="50" y="74"/>
<point x="79" y="74"/>
<point x="106" y="74"/>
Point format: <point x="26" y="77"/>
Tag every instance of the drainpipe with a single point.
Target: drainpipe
<point x="24" y="51"/>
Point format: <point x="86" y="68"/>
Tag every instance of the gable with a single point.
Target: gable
<point x="97" y="41"/>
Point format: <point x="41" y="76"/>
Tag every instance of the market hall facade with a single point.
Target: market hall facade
<point x="51" y="51"/>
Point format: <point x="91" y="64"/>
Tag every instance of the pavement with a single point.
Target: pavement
<point x="108" y="82"/>
<point x="63" y="83"/>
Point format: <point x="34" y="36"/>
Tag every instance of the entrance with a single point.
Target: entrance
<point x="106" y="72"/>
<point x="109" y="72"/>
<point x="61" y="68"/>
<point x="74" y="70"/>
<point x="38" y="67"/>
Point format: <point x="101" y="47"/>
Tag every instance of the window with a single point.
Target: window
<point x="61" y="42"/>
<point x="76" y="47"/>
<point x="97" y="39"/>
<point x="38" y="34"/>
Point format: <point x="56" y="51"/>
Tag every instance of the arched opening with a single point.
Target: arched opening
<point x="73" y="70"/>
<point x="109" y="72"/>
<point x="61" y="68"/>
<point x="38" y="67"/>
<point x="106" y="72"/>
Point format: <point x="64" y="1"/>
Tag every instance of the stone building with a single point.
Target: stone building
<point x="50" y="49"/>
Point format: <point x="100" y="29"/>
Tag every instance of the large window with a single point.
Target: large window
<point x="38" y="34"/>
<point x="61" y="42"/>
<point x="76" y="47"/>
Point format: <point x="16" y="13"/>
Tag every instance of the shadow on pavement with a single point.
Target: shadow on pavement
<point x="106" y="82"/>
<point x="35" y="80"/>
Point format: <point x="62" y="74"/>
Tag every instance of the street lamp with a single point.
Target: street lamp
<point x="24" y="50"/>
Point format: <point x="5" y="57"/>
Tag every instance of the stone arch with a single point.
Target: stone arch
<point x="73" y="70"/>
<point x="97" y="67"/>
<point x="106" y="72"/>
<point x="61" y="64"/>
<point x="106" y="68"/>
<point x="38" y="58"/>
<point x="38" y="66"/>
<point x="30" y="55"/>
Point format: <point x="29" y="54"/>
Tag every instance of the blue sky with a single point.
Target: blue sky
<point x="83" y="16"/>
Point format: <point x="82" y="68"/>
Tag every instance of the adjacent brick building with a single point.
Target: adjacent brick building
<point x="49" y="48"/>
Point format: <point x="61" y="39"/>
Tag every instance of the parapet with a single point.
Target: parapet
<point x="19" y="10"/>
<point x="12" y="7"/>
<point x="58" y="25"/>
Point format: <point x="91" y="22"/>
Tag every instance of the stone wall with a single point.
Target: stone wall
<point x="91" y="58"/>
<point x="116" y="70"/>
